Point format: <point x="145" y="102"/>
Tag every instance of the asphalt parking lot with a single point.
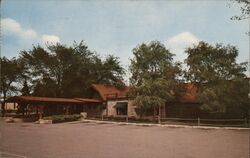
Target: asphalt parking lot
<point x="91" y="140"/>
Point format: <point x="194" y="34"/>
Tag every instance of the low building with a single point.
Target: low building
<point x="187" y="106"/>
<point x="45" y="106"/>
<point x="119" y="104"/>
<point x="106" y="100"/>
<point x="115" y="99"/>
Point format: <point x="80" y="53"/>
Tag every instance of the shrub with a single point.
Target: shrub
<point x="63" y="118"/>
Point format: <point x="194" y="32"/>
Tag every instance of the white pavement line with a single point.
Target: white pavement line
<point x="11" y="154"/>
<point x="160" y="125"/>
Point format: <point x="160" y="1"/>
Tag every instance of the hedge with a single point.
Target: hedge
<point x="63" y="118"/>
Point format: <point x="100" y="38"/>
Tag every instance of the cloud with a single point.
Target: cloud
<point x="180" y="42"/>
<point x="12" y="27"/>
<point x="185" y="38"/>
<point x="50" y="38"/>
<point x="29" y="34"/>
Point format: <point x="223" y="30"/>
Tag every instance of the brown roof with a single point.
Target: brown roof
<point x="109" y="91"/>
<point x="191" y="94"/>
<point x="87" y="100"/>
<point x="33" y="99"/>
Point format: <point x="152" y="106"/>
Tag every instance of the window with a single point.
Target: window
<point x="121" y="108"/>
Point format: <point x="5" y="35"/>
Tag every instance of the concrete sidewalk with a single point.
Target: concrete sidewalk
<point x="162" y="125"/>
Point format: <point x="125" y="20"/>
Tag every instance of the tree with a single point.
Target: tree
<point x="217" y="75"/>
<point x="155" y="76"/>
<point x="245" y="10"/>
<point x="58" y="70"/>
<point x="10" y="72"/>
<point x="111" y="71"/>
<point x="25" y="90"/>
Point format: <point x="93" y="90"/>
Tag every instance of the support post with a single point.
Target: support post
<point x="106" y="109"/>
<point x="36" y="110"/>
<point x="22" y="106"/>
<point x="246" y="125"/>
<point x="199" y="121"/>
<point x="41" y="108"/>
<point x="164" y="111"/>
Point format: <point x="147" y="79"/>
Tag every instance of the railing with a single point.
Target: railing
<point x="206" y="122"/>
<point x="180" y="121"/>
<point x="184" y="121"/>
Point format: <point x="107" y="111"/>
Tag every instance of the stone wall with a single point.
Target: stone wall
<point x="111" y="111"/>
<point x="131" y="109"/>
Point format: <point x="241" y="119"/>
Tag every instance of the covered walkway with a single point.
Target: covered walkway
<point x="45" y="106"/>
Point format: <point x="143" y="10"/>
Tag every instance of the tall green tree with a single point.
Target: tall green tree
<point x="111" y="71"/>
<point x="61" y="69"/>
<point x="11" y="70"/>
<point x="155" y="77"/>
<point x="218" y="76"/>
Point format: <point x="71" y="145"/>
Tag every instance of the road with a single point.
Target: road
<point x="91" y="140"/>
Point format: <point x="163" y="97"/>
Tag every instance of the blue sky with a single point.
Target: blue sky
<point x="116" y="27"/>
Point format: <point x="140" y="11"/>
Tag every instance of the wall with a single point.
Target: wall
<point x="183" y="110"/>
<point x="112" y="111"/>
<point x="9" y="106"/>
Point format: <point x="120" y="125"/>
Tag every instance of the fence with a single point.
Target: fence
<point x="182" y="121"/>
<point x="206" y="122"/>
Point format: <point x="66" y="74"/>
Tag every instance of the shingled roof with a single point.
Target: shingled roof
<point x="191" y="94"/>
<point x="110" y="91"/>
<point x="105" y="92"/>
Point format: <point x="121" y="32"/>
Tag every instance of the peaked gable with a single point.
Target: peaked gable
<point x="109" y="91"/>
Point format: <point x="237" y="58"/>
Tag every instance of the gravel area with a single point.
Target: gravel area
<point x="92" y="140"/>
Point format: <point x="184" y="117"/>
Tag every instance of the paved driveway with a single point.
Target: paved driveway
<point x="90" y="140"/>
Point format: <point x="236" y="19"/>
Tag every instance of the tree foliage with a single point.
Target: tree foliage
<point x="218" y="76"/>
<point x="245" y="10"/>
<point x="149" y="62"/>
<point x="11" y="70"/>
<point x="58" y="70"/>
<point x="154" y="75"/>
<point x="25" y="90"/>
<point x="67" y="71"/>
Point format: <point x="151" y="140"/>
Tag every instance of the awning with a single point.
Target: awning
<point x="87" y="100"/>
<point x="47" y="100"/>
<point x="121" y="105"/>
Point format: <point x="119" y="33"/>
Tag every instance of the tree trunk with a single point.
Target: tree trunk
<point x="154" y="113"/>
<point x="3" y="108"/>
<point x="159" y="115"/>
<point x="22" y="107"/>
<point x="3" y="104"/>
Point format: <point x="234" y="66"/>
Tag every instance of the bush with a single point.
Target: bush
<point x="63" y="118"/>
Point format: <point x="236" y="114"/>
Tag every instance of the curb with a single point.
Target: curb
<point x="160" y="125"/>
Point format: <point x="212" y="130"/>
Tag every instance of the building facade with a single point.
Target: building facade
<point x="107" y="100"/>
